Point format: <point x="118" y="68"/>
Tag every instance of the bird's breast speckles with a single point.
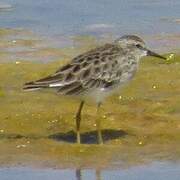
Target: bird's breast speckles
<point x="128" y="71"/>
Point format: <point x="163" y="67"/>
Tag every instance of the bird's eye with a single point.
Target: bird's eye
<point x="138" y="46"/>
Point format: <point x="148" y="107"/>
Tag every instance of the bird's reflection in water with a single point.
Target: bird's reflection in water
<point x="98" y="175"/>
<point x="79" y="173"/>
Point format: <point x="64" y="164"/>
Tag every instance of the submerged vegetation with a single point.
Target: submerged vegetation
<point x="141" y="122"/>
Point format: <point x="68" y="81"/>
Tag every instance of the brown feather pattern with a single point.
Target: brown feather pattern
<point x="98" y="68"/>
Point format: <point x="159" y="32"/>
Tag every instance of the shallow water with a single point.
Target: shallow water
<point x="159" y="171"/>
<point x="57" y="21"/>
<point x="82" y="16"/>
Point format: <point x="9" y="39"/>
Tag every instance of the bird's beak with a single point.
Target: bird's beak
<point x="150" y="53"/>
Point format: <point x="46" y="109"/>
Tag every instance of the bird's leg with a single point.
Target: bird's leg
<point x="78" y="120"/>
<point x="98" y="125"/>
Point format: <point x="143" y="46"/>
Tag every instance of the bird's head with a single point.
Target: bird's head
<point x="136" y="45"/>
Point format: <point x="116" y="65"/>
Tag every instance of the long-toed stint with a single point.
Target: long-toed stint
<point x="97" y="73"/>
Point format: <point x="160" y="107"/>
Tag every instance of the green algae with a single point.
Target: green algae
<point x="141" y="123"/>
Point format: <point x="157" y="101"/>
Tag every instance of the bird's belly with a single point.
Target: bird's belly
<point x="99" y="94"/>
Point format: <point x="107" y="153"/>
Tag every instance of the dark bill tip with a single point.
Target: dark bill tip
<point x="150" y="53"/>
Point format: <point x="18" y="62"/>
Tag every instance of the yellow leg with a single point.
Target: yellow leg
<point x="98" y="125"/>
<point x="78" y="121"/>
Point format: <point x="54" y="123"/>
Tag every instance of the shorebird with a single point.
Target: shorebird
<point x="97" y="73"/>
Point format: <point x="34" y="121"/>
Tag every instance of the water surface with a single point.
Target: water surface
<point x="159" y="171"/>
<point x="55" y="20"/>
<point x="129" y="16"/>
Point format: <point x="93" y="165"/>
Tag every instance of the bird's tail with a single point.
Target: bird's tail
<point x="42" y="83"/>
<point x="32" y="86"/>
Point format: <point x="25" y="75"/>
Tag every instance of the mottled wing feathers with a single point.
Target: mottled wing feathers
<point x="94" y="69"/>
<point x="97" y="68"/>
